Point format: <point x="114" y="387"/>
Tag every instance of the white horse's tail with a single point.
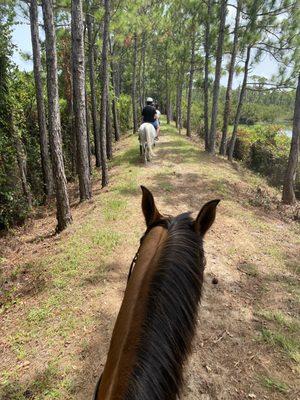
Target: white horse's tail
<point x="149" y="139"/>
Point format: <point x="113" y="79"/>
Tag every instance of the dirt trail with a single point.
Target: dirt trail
<point x="63" y="293"/>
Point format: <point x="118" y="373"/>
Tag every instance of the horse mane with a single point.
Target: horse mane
<point x="170" y="316"/>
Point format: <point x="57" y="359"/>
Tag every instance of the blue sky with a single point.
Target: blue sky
<point x="21" y="37"/>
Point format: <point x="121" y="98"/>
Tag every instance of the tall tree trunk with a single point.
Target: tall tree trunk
<point x="219" y="55"/>
<point x="104" y="94"/>
<point x="108" y="127"/>
<point x="88" y="133"/>
<point x="37" y="68"/>
<point x="227" y="107"/>
<point x="114" y="107"/>
<point x="73" y="139"/>
<point x="91" y="58"/>
<point x="190" y="90"/>
<point x="240" y="105"/>
<point x="171" y="118"/>
<point x="144" y="45"/>
<point x="180" y="107"/>
<point x="78" y="64"/>
<point x="177" y="101"/>
<point x="134" y="70"/>
<point x="168" y="100"/>
<point x="288" y="193"/>
<point x="114" y="102"/>
<point x="64" y="217"/>
<point x="116" y="120"/>
<point x="139" y="80"/>
<point x="206" y="74"/>
<point x="179" y="91"/>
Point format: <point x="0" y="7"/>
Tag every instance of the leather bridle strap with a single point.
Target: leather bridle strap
<point x="161" y="222"/>
<point x="133" y="264"/>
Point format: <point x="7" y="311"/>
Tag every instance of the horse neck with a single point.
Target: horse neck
<point x="170" y="317"/>
<point x="156" y="323"/>
<point x="127" y="331"/>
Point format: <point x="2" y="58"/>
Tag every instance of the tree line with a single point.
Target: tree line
<point x="97" y="62"/>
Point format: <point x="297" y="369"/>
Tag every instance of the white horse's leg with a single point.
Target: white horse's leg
<point x="145" y="153"/>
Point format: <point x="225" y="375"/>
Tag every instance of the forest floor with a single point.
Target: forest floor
<point x="60" y="294"/>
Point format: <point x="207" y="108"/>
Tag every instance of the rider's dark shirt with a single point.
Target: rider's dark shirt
<point x="148" y="113"/>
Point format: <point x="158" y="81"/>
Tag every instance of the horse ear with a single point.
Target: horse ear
<point x="150" y="211"/>
<point x="206" y="217"/>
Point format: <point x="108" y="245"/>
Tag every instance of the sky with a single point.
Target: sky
<point x="22" y="39"/>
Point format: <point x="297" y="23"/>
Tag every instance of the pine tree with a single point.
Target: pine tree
<point x="64" y="217"/>
<point x="104" y="92"/>
<point x="37" y="68"/>
<point x="78" y="63"/>
<point x="216" y="89"/>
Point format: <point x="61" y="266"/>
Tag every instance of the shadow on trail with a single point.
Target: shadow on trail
<point x="186" y="152"/>
<point x="40" y="382"/>
<point x="131" y="156"/>
<point x="192" y="189"/>
<point x="93" y="356"/>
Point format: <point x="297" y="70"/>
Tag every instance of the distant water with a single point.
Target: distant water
<point x="288" y="132"/>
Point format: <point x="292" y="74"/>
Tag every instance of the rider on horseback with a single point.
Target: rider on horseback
<point x="150" y="115"/>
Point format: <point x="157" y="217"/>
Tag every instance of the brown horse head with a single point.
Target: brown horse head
<point x="156" y="322"/>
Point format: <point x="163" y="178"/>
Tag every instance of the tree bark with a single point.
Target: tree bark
<point x="216" y="89"/>
<point x="177" y="101"/>
<point x="64" y="217"/>
<point x="240" y="105"/>
<point x="104" y="94"/>
<point x="91" y="60"/>
<point x="227" y="107"/>
<point x="168" y="100"/>
<point x="78" y="63"/>
<point x="206" y="74"/>
<point x="190" y="90"/>
<point x="288" y="193"/>
<point x="114" y="102"/>
<point x="116" y="120"/>
<point x="108" y="127"/>
<point x="88" y="133"/>
<point x="115" y="115"/>
<point x="180" y="107"/>
<point x="134" y="69"/>
<point x="43" y="135"/>
<point x="144" y="44"/>
<point x="179" y="90"/>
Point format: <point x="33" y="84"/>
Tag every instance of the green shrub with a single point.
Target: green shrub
<point x="253" y="113"/>
<point x="265" y="150"/>
<point x="13" y="208"/>
<point x="125" y="112"/>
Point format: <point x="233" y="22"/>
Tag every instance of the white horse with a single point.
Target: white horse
<point x="147" y="135"/>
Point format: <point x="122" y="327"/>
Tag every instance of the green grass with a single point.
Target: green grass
<point x="290" y="346"/>
<point x="275" y="385"/>
<point x="250" y="269"/>
<point x="114" y="209"/>
<point x="282" y="320"/>
<point x="37" y="315"/>
<point x="41" y="387"/>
